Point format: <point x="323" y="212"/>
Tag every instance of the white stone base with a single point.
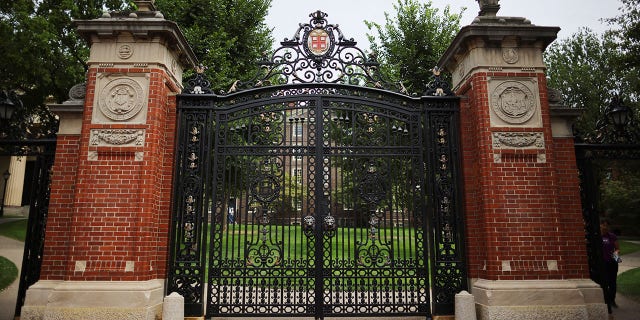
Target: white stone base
<point x="539" y="299"/>
<point x="53" y="300"/>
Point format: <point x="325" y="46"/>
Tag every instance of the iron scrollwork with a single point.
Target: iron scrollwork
<point x="318" y="52"/>
<point x="186" y="276"/>
<point x="449" y="268"/>
<point x="348" y="234"/>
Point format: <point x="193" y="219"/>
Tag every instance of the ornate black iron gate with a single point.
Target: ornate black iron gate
<point x="317" y="198"/>
<point x="610" y="141"/>
<point x="42" y="152"/>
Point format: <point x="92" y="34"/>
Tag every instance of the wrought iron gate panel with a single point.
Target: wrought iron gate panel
<point x="277" y="202"/>
<point x="317" y="205"/>
<point x="189" y="226"/>
<point x="447" y="227"/>
<point x="43" y="152"/>
<point x="328" y="195"/>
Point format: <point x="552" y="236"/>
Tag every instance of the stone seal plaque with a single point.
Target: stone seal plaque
<point x="125" y="51"/>
<point x="510" y="55"/>
<point x="513" y="102"/>
<point x="121" y="99"/>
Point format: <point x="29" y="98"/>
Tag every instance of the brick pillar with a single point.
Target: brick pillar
<point x="106" y="242"/>
<point x="525" y="235"/>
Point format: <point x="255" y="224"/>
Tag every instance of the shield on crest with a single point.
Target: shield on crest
<point x="319" y="42"/>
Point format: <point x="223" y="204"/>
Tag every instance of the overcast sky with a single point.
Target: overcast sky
<point x="570" y="15"/>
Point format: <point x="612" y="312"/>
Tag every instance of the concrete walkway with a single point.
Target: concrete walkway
<point x="12" y="250"/>
<point x="627" y="308"/>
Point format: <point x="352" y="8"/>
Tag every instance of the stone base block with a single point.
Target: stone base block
<point x="539" y="299"/>
<point x="53" y="300"/>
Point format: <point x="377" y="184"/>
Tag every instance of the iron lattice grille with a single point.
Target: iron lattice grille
<point x="316" y="191"/>
<point x="42" y="152"/>
<point x="319" y="200"/>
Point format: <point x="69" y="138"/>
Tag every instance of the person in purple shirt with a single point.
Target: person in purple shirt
<point x="611" y="257"/>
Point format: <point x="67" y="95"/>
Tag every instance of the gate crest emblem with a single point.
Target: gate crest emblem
<point x="318" y="42"/>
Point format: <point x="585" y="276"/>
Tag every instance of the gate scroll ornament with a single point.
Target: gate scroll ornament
<point x="344" y="189"/>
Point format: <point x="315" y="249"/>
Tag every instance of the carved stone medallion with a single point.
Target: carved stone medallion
<point x="78" y="91"/>
<point x="125" y="51"/>
<point x="510" y="55"/>
<point x="121" y="99"/>
<point x="513" y="102"/>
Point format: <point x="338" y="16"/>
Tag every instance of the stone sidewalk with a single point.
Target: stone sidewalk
<point x="12" y="250"/>
<point x="627" y="308"/>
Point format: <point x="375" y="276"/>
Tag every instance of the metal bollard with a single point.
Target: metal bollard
<point x="173" y="307"/>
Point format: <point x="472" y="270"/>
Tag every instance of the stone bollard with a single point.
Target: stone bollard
<point x="173" y="307"/>
<point x="465" y="306"/>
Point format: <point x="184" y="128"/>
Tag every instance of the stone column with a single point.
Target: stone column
<point x="525" y="241"/>
<point x="15" y="183"/>
<point x="107" y="236"/>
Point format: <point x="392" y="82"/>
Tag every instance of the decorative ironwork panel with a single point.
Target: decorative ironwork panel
<point x="320" y="205"/>
<point x="189" y="225"/>
<point x="443" y="172"/>
<point x="374" y="260"/>
<point x="324" y="193"/>
<point x="318" y="53"/>
<point x="586" y="155"/>
<point x="43" y="151"/>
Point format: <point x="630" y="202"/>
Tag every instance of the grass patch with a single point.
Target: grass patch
<point x="14" y="229"/>
<point x="629" y="284"/>
<point x="8" y="272"/>
<point x="627" y="247"/>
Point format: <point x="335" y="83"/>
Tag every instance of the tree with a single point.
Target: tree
<point x="41" y="54"/>
<point x="590" y="69"/>
<point x="410" y="43"/>
<point x="227" y="36"/>
<point x="583" y="68"/>
<point x="628" y="34"/>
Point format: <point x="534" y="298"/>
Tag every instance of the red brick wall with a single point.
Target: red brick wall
<point x="120" y="207"/>
<point x="63" y="181"/>
<point x="518" y="209"/>
<point x="572" y="237"/>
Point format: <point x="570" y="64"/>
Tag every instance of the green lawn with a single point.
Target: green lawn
<point x="14" y="229"/>
<point x="8" y="272"/>
<point x="627" y="247"/>
<point x="629" y="284"/>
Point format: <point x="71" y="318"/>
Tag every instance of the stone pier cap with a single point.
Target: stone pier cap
<point x="494" y="32"/>
<point x="140" y="24"/>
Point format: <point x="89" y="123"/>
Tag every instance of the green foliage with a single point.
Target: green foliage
<point x="620" y="194"/>
<point x="628" y="33"/>
<point x="627" y="247"/>
<point x="629" y="284"/>
<point x="14" y="229"/>
<point x="590" y="70"/>
<point x="581" y="67"/>
<point x="227" y="36"/>
<point x="410" y="43"/>
<point x="42" y="56"/>
<point x="8" y="273"/>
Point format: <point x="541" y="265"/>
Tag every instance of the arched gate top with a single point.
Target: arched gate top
<point x="318" y="53"/>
